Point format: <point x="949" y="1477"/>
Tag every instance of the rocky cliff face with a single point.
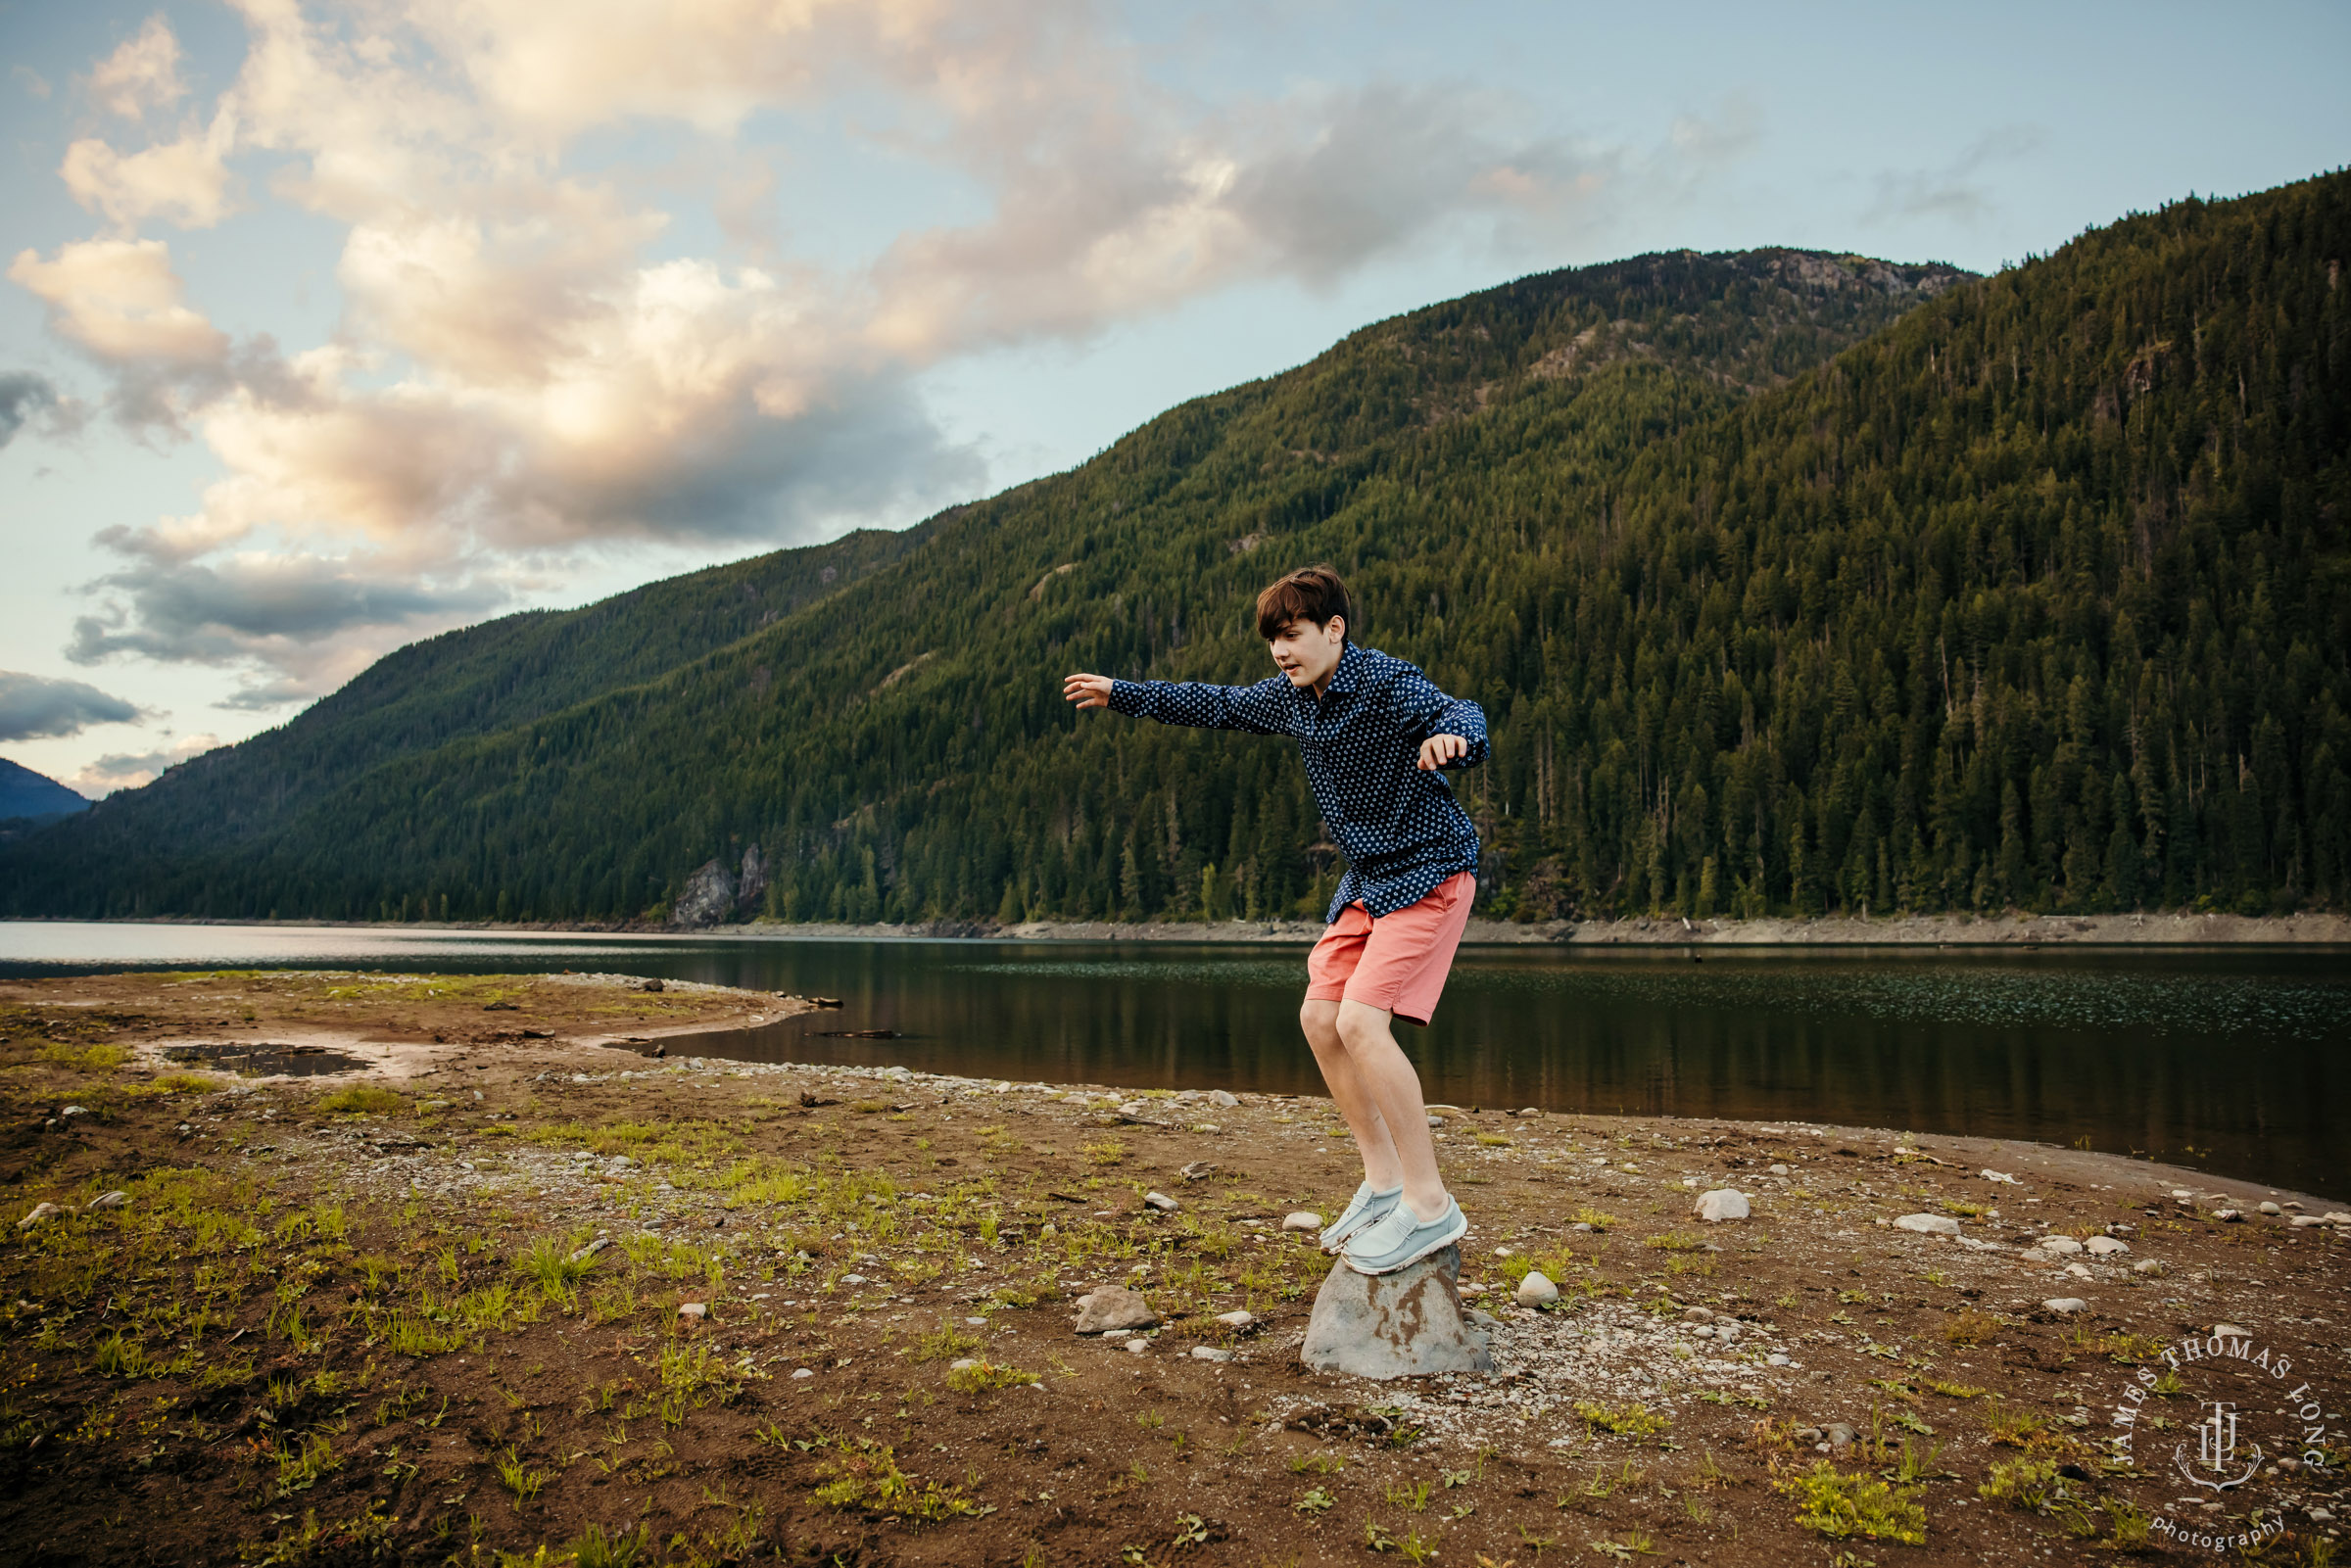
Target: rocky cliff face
<point x="714" y="893"/>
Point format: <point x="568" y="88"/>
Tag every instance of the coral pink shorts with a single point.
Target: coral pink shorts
<point x="1396" y="963"/>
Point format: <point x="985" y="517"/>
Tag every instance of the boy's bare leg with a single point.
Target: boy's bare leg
<point x="1379" y="1070"/>
<point x="1353" y="1097"/>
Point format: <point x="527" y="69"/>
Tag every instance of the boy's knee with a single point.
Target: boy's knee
<point x="1320" y="1021"/>
<point x="1361" y="1026"/>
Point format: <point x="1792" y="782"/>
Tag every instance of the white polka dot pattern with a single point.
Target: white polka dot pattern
<point x="1402" y="831"/>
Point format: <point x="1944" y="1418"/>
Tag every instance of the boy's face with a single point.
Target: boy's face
<point x="1308" y="652"/>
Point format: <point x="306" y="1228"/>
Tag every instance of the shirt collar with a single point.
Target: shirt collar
<point x="1350" y="669"/>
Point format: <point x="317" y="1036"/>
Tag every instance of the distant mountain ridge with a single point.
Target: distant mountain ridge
<point x="26" y="794"/>
<point x="1792" y="583"/>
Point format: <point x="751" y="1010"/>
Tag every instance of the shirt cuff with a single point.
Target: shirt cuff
<point x="1126" y="697"/>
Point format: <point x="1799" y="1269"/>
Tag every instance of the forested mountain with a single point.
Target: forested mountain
<point x="2038" y="595"/>
<point x="27" y="796"/>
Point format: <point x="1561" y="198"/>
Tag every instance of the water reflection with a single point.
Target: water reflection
<point x="2231" y="1060"/>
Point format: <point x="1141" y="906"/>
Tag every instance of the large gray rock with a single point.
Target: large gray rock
<point x="1109" y="1307"/>
<point x="708" y="898"/>
<point x="1407" y="1324"/>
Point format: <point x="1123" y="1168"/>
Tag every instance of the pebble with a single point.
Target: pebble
<point x="75" y="1111"/>
<point x="852" y="1279"/>
<point x="1108" y="1306"/>
<point x="2229" y="1331"/>
<point x="1236" y="1319"/>
<point x="1839" y="1435"/>
<point x="40" y="1214"/>
<point x="1302" y="1219"/>
<point x="1209" y="1352"/>
<point x="1529" y="1111"/>
<point x="963" y="1365"/>
<point x="801" y="1373"/>
<point x="1197" y="1171"/>
<point x="2270" y="1207"/>
<point x="2080" y="1271"/>
<point x="1161" y="1201"/>
<point x="2305" y="1221"/>
<point x="1698" y="1315"/>
<point x="2066" y="1304"/>
<point x="1722" y="1204"/>
<point x="694" y="1309"/>
<point x="1779" y="1171"/>
<point x="1989" y="1174"/>
<point x="1775" y="1358"/>
<point x="2146" y="1266"/>
<point x="110" y="1200"/>
<point x="2062" y="1246"/>
<point x="1222" y="1098"/>
<point x="1537" y="1290"/>
<point x="2104" y="1246"/>
<point x="1139" y="1346"/>
<point x="976" y="1322"/>
<point x="1929" y="1224"/>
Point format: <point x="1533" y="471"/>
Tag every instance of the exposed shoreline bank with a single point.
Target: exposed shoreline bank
<point x="2010" y="930"/>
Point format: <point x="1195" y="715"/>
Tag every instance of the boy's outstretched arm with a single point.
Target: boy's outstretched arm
<point x="1452" y="730"/>
<point x="1256" y="708"/>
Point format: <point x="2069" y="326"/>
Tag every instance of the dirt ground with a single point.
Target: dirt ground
<point x="337" y="1269"/>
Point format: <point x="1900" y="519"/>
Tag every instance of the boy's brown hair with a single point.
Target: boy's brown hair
<point x="1311" y="593"/>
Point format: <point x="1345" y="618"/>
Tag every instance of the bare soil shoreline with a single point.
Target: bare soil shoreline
<point x="2010" y="930"/>
<point x="366" y="1318"/>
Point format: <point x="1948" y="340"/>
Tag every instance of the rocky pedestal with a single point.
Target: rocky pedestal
<point x="1407" y="1324"/>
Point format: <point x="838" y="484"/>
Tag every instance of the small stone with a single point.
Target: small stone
<point x="1806" y="1434"/>
<point x="2104" y="1246"/>
<point x="1581" y="1225"/>
<point x="694" y="1309"/>
<point x="1161" y="1201"/>
<point x="2066" y="1304"/>
<point x="2337" y="1216"/>
<point x="1537" y="1290"/>
<point x="1473" y="1290"/>
<point x="801" y="1373"/>
<point x="2080" y="1271"/>
<point x="974" y="1323"/>
<point x="1775" y="1358"/>
<point x="2062" y="1246"/>
<point x="1302" y="1219"/>
<point x="1779" y="1171"/>
<point x="620" y="1163"/>
<point x="2229" y="1216"/>
<point x="650" y="985"/>
<point x="1139" y="1346"/>
<point x="1222" y="1098"/>
<point x="1989" y="1174"/>
<point x="1530" y="1111"/>
<point x="2306" y="1221"/>
<point x="1114" y="1335"/>
<point x="1928" y="1225"/>
<point x="1108" y="1306"/>
<point x="2270" y="1207"/>
<point x="2146" y="1266"/>
<point x="1704" y="1331"/>
<point x="2229" y="1331"/>
<point x="1720" y="1205"/>
<point x="75" y="1111"/>
<point x="591" y="1250"/>
<point x="852" y="1279"/>
<point x="108" y="1200"/>
<point x="1484" y="1319"/>
<point x="2183" y="1194"/>
<point x="41" y="1213"/>
<point x="1839" y="1435"/>
<point x="1196" y="1170"/>
<point x="964" y="1364"/>
<point x="1236" y="1319"/>
<point x="1209" y="1352"/>
<point x="1698" y="1315"/>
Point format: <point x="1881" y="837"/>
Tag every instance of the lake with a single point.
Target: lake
<point x="2233" y="1060"/>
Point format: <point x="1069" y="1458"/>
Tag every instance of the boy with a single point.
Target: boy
<point x="1374" y="732"/>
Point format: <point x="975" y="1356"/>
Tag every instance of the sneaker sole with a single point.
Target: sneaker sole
<point x="1437" y="1246"/>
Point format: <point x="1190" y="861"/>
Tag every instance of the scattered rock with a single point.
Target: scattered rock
<point x="2268" y="1208"/>
<point x="1779" y="1171"/>
<point x="962" y="1364"/>
<point x="1161" y="1201"/>
<point x="2104" y="1246"/>
<point x="2305" y="1221"/>
<point x="2231" y="1216"/>
<point x="2229" y="1331"/>
<point x="1698" y="1315"/>
<point x="2066" y="1304"/>
<point x="1529" y="1111"/>
<point x="1989" y="1174"/>
<point x="75" y="1111"/>
<point x="1221" y="1099"/>
<point x="1209" y="1352"/>
<point x="2146" y="1266"/>
<point x="2062" y="1246"/>
<point x="1406" y="1324"/>
<point x="696" y="1311"/>
<point x="650" y="985"/>
<point x="852" y="1279"/>
<point x="1302" y="1219"/>
<point x="1108" y="1306"/>
<point x="41" y="1215"/>
<point x="108" y="1200"/>
<point x="1722" y="1204"/>
<point x="1537" y="1290"/>
<point x="1197" y="1171"/>
<point x="1839" y="1435"/>
<point x="801" y="1373"/>
<point x="1139" y="1346"/>
<point x="592" y="1249"/>
<point x="1929" y="1224"/>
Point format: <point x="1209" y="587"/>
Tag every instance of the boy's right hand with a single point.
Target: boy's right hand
<point x="1086" y="690"/>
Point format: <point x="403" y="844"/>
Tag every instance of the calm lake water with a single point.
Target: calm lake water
<point x="2233" y="1061"/>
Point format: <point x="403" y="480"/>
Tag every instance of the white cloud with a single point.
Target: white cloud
<point x="129" y="770"/>
<point x="141" y="74"/>
<point x="185" y="181"/>
<point x="1957" y="190"/>
<point x="35" y="706"/>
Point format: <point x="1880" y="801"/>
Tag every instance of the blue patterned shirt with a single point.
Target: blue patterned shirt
<point x="1399" y="828"/>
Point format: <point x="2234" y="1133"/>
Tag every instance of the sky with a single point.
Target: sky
<point x="327" y="327"/>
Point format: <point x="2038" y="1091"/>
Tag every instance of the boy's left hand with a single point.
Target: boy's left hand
<point x="1440" y="750"/>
